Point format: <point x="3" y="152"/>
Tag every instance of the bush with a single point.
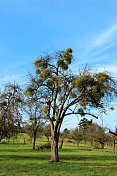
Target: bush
<point x="45" y="146"/>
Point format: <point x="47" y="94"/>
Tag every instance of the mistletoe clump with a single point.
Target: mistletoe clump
<point x="66" y="59"/>
<point x="45" y="73"/>
<point x="40" y="63"/>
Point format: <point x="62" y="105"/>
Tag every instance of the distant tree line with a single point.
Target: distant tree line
<point x="88" y="132"/>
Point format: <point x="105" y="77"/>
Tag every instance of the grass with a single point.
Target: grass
<point x="21" y="160"/>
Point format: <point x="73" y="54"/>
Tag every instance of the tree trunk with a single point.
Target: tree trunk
<point x="114" y="147"/>
<point x="92" y="143"/>
<point x="54" y="148"/>
<point x="61" y="144"/>
<point x="102" y="146"/>
<point x="85" y="141"/>
<point x="47" y="138"/>
<point x="34" y="139"/>
<point x="77" y="142"/>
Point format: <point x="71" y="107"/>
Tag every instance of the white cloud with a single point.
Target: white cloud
<point x="106" y="37"/>
<point x="100" y="49"/>
<point x="95" y="45"/>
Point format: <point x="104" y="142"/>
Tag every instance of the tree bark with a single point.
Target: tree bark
<point x="54" y="148"/>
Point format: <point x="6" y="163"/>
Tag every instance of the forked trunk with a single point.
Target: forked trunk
<point x="54" y="148"/>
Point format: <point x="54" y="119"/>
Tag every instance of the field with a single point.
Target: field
<point x="20" y="160"/>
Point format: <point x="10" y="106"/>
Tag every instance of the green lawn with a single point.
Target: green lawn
<point x="20" y="160"/>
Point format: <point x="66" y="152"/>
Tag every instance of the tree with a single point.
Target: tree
<point x="84" y="125"/>
<point x="77" y="135"/>
<point x="64" y="134"/>
<point x="33" y="107"/>
<point x="114" y="137"/>
<point x="64" y="93"/>
<point x="11" y="100"/>
<point x="97" y="134"/>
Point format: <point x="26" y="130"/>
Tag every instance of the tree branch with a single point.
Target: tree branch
<point x="71" y="113"/>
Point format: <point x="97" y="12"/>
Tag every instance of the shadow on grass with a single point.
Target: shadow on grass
<point x="28" y="156"/>
<point x="42" y="156"/>
<point x="74" y="154"/>
<point x="86" y="158"/>
<point x="75" y="149"/>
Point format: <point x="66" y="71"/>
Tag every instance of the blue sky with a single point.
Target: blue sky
<point x="29" y="28"/>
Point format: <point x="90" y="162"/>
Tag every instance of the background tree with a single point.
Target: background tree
<point x="65" y="134"/>
<point x="84" y="126"/>
<point x="97" y="135"/>
<point x="77" y="135"/>
<point x="11" y="101"/>
<point x="33" y="107"/>
<point x="63" y="93"/>
<point x="114" y="138"/>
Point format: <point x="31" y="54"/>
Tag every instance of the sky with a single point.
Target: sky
<point x="30" y="28"/>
